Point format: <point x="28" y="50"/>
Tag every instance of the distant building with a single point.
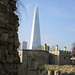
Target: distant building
<point x="34" y="61"/>
<point x="35" y="40"/>
<point x="60" y="57"/>
<point x="30" y="60"/>
<point x="23" y="45"/>
<point x="43" y="62"/>
<point x="73" y="57"/>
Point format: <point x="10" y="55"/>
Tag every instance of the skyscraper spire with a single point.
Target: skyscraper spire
<point x="35" y="40"/>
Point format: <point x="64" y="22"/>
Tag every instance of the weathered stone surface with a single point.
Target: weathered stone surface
<point x="9" y="42"/>
<point x="31" y="59"/>
<point x="64" y="70"/>
<point x="60" y="57"/>
<point x="34" y="62"/>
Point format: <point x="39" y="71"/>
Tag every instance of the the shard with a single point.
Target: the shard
<point x="35" y="41"/>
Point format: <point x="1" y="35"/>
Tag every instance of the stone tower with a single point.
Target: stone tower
<point x="35" y="40"/>
<point x="9" y="42"/>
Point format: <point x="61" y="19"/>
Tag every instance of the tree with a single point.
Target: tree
<point x="40" y="47"/>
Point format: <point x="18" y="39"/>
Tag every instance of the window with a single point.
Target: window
<point x="58" y="73"/>
<point x="40" y="71"/>
<point x="64" y="58"/>
<point x="46" y="72"/>
<point x="52" y="72"/>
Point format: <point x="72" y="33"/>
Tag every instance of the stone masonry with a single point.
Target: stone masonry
<point x="56" y="70"/>
<point x="9" y="42"/>
<point x="46" y="62"/>
<point x="30" y="60"/>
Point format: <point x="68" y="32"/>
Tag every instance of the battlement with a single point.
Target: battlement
<point x="60" y="51"/>
<point x="65" y="51"/>
<point x="60" y="57"/>
<point x="56" y="49"/>
<point x="33" y="58"/>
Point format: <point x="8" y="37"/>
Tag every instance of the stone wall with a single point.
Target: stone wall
<point x="31" y="59"/>
<point x="9" y="42"/>
<point x="54" y="57"/>
<point x="56" y="70"/>
<point x="65" y="57"/>
<point x="60" y="57"/>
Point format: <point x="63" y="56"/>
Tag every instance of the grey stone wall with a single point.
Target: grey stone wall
<point x="65" y="58"/>
<point x="31" y="59"/>
<point x="58" y="57"/>
<point x="56" y="70"/>
<point x="54" y="57"/>
<point x="9" y="43"/>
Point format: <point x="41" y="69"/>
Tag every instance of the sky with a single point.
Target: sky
<point x="57" y="22"/>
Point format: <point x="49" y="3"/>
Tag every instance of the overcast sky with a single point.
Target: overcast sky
<point x="57" y="22"/>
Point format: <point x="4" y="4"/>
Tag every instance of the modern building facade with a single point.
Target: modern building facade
<point x="23" y="45"/>
<point x="35" y="39"/>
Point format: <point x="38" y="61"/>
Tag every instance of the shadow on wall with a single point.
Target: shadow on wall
<point x="72" y="73"/>
<point x="53" y="59"/>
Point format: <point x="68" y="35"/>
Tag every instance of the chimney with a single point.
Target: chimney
<point x="65" y="48"/>
<point x="48" y="48"/>
<point x="56" y="47"/>
<point x="45" y="47"/>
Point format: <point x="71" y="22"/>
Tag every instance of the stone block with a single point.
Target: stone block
<point x="8" y="30"/>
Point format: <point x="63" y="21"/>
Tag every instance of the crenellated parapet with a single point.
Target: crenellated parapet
<point x="60" y="57"/>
